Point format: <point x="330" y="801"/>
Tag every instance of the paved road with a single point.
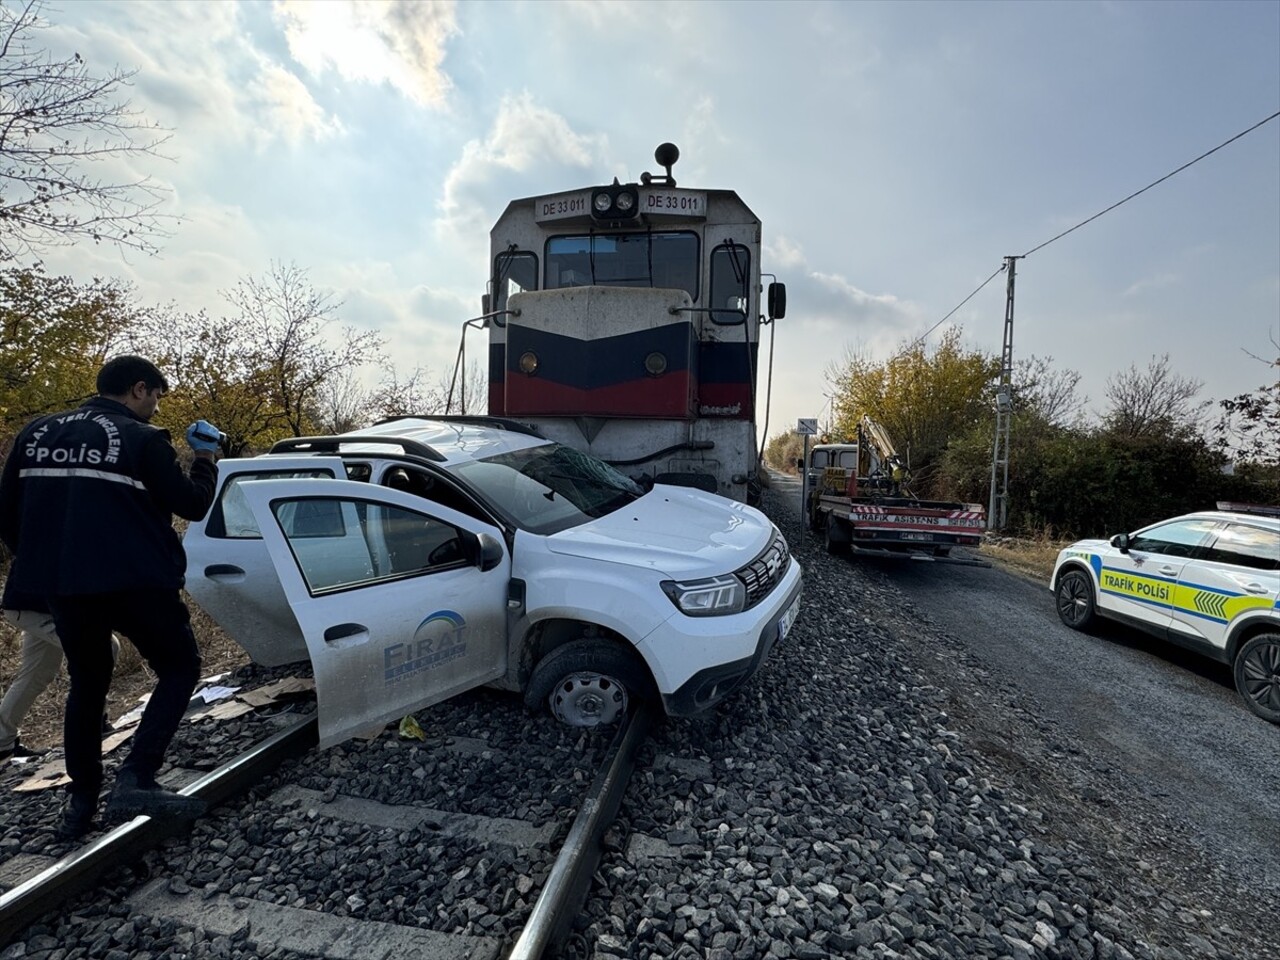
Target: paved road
<point x="1147" y="721"/>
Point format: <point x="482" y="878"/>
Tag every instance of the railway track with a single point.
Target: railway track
<point x="378" y="848"/>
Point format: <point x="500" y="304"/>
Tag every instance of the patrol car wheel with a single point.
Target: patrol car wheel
<point x="1075" y="602"/>
<point x="1257" y="672"/>
<point x="587" y="683"/>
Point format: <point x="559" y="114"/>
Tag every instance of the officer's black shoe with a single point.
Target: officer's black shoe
<point x="77" y="817"/>
<point x="131" y="797"/>
<point x="19" y="752"/>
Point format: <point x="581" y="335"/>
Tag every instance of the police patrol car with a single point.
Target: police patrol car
<point x="418" y="558"/>
<point x="1208" y="581"/>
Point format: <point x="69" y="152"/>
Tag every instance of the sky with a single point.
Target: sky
<point x="895" y="153"/>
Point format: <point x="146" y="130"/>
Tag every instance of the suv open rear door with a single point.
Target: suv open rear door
<point x="229" y="573"/>
<point x="401" y="602"/>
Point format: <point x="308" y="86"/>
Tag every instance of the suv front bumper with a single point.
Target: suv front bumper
<point x="710" y="685"/>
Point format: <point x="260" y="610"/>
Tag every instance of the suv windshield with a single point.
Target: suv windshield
<point x="548" y="488"/>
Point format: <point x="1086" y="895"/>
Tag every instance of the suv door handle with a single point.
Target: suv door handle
<point x="224" y="573"/>
<point x="1255" y="588"/>
<point x="345" y="631"/>
<point x="1168" y="571"/>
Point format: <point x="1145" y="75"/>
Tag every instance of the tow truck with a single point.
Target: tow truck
<point x="859" y="496"/>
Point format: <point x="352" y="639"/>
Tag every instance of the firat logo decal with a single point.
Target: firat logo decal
<point x="439" y="638"/>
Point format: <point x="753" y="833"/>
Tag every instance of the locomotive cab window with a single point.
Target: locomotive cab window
<point x="730" y="283"/>
<point x="656" y="259"/>
<point x="513" y="272"/>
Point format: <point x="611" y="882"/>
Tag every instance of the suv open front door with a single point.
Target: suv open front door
<point x="410" y="618"/>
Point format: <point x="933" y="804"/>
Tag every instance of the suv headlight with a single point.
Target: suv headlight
<point x="712" y="597"/>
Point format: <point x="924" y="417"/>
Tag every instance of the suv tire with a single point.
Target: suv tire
<point x="588" y="682"/>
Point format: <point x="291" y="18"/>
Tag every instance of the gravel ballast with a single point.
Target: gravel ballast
<point x="844" y="804"/>
<point x="848" y="814"/>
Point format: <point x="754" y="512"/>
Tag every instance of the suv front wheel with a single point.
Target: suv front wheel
<point x="1257" y="673"/>
<point x="588" y="683"/>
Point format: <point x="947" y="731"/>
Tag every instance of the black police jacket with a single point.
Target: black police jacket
<point x="87" y="499"/>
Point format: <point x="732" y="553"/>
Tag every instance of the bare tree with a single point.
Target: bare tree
<point x="57" y="121"/>
<point x="1051" y="394"/>
<point x="1153" y="402"/>
<point x="275" y="368"/>
<point x="285" y="320"/>
<point x="411" y="395"/>
<point x="342" y="403"/>
<point x="1248" y="429"/>
<point x="398" y="396"/>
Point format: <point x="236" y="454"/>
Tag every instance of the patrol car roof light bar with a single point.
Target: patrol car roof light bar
<point x="1260" y="509"/>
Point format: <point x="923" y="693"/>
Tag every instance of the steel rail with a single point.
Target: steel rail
<point x="80" y="870"/>
<point x="570" y="876"/>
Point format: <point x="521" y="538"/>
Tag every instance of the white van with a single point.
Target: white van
<point x="422" y="557"/>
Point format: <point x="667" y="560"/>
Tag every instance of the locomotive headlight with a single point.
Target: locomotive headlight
<point x="712" y="597"/>
<point x="616" y="203"/>
<point x="528" y="362"/>
<point x="655" y="364"/>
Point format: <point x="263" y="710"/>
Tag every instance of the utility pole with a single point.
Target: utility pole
<point x="998" y="509"/>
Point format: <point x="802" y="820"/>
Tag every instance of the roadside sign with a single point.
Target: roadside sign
<point x="806" y="427"/>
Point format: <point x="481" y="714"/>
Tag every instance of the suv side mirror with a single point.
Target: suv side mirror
<point x="1121" y="542"/>
<point x="491" y="552"/>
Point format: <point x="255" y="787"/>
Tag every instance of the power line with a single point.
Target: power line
<point x="1155" y="183"/>
<point x="924" y="336"/>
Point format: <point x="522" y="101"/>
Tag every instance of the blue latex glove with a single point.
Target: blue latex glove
<point x="203" y="436"/>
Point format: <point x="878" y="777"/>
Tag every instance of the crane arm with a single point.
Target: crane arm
<point x="880" y="437"/>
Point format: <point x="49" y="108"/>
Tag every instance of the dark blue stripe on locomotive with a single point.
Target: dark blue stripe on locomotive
<point x="726" y="362"/>
<point x="591" y="364"/>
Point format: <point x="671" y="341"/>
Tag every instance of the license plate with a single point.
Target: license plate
<point x="917" y="536"/>
<point x="788" y="618"/>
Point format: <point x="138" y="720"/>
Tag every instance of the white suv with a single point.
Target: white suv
<point x="422" y="557"/>
<point x="1209" y="581"/>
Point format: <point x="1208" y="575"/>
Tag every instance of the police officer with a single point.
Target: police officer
<point x="87" y="499"/>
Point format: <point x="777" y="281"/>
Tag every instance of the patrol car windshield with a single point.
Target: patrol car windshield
<point x="548" y="488"/>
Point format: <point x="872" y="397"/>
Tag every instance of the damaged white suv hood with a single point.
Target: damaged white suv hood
<point x="676" y="531"/>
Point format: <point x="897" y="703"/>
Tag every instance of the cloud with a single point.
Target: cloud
<point x="215" y="245"/>
<point x="833" y="299"/>
<point x="527" y="144"/>
<point x="1152" y="283"/>
<point x="374" y="41"/>
<point x="288" y="108"/>
<point x="209" y="81"/>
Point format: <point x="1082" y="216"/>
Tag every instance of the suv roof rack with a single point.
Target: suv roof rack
<point x="497" y="423"/>
<point x="332" y="445"/>
<point x="1258" y="508"/>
